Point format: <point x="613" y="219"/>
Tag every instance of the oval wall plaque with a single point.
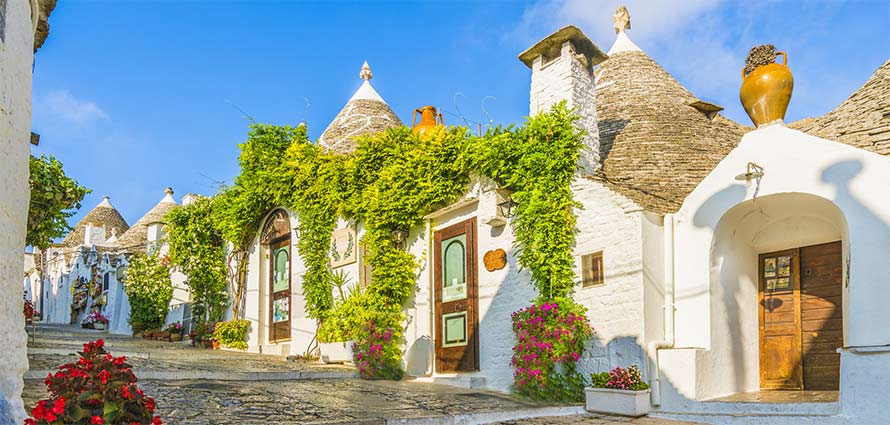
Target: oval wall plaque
<point x="495" y="260"/>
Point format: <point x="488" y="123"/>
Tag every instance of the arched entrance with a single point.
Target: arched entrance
<point x="777" y="278"/>
<point x="277" y="237"/>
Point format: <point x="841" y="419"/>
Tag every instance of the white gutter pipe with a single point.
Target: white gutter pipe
<point x="669" y="309"/>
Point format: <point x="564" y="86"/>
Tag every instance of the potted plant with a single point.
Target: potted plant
<point x="333" y="344"/>
<point x="175" y="331"/>
<point x="95" y="320"/>
<point x="335" y="339"/>
<point x="619" y="391"/>
<point x="97" y="389"/>
<point x="204" y="334"/>
<point x="232" y="334"/>
<point x="30" y="312"/>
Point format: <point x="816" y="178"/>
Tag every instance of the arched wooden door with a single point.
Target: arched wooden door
<point x="801" y="318"/>
<point x="276" y="234"/>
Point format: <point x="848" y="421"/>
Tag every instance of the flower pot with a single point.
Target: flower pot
<point x="335" y="352"/>
<point x="215" y="344"/>
<point x="207" y="343"/>
<point x="617" y="402"/>
<point x="766" y="91"/>
<point x="99" y="326"/>
<point x="86" y="325"/>
<point x="175" y="337"/>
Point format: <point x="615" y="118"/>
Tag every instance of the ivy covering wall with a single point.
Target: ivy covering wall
<point x="389" y="183"/>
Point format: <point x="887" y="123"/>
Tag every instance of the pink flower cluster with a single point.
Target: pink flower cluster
<point x="96" y="317"/>
<point x="372" y="353"/>
<point x="549" y="339"/>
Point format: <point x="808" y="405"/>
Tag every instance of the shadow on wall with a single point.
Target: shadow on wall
<point x="608" y="130"/>
<point x="746" y="229"/>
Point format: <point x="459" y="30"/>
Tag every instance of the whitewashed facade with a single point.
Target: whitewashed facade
<point x="680" y="292"/>
<point x="83" y="274"/>
<point x="19" y="23"/>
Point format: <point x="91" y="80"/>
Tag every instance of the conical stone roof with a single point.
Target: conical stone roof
<point x="136" y="239"/>
<point x="657" y="140"/>
<point x="103" y="214"/>
<point x="365" y="113"/>
<point x="863" y="120"/>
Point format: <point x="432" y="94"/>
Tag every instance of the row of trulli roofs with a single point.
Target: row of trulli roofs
<point x="657" y="139"/>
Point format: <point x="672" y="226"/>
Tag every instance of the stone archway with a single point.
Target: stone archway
<point x="276" y="238"/>
<point x="760" y="331"/>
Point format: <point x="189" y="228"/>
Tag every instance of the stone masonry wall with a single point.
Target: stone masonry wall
<point x="565" y="78"/>
<point x="16" y="58"/>
<point x="612" y="224"/>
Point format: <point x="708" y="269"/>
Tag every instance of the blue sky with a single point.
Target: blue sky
<point x="136" y="96"/>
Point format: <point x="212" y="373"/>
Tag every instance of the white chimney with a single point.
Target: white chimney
<point x="189" y="198"/>
<point x="562" y="69"/>
<point x="93" y="235"/>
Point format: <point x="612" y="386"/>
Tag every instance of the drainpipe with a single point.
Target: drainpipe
<point x="431" y="359"/>
<point x="669" y="309"/>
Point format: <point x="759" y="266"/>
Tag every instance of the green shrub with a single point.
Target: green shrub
<point x="233" y="333"/>
<point x="149" y="291"/>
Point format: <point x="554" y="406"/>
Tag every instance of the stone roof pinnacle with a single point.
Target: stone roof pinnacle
<point x="365" y="73"/>
<point x="621" y="22"/>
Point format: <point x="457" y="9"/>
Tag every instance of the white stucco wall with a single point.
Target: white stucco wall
<point x="611" y="223"/>
<point x="501" y="292"/>
<point x="813" y="190"/>
<point x="16" y="58"/>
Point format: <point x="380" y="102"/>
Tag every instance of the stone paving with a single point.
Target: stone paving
<point x="256" y="389"/>
<point x="55" y="345"/>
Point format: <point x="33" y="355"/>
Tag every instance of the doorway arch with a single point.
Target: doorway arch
<point x="276" y="237"/>
<point x="753" y="317"/>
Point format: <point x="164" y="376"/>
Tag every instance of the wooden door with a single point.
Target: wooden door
<point x="780" y="354"/>
<point x="801" y="318"/>
<point x="279" y="290"/>
<point x="821" y="314"/>
<point x="456" y="294"/>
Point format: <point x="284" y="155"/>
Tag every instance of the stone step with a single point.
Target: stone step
<point x="462" y="381"/>
<point x="486" y="417"/>
<point x="755" y="418"/>
<point x="275" y="349"/>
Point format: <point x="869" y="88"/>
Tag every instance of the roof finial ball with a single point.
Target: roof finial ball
<point x="621" y="19"/>
<point x="366" y="74"/>
<point x="168" y="190"/>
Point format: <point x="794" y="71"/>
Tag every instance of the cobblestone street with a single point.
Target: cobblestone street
<point x="255" y="389"/>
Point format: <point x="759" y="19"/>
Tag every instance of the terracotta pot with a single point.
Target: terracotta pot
<point x="207" y="343"/>
<point x="163" y="335"/>
<point x="428" y="117"/>
<point x="766" y="91"/>
<point x="215" y="344"/>
<point x="175" y="337"/>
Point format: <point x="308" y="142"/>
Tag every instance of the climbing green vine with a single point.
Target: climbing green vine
<point x="388" y="184"/>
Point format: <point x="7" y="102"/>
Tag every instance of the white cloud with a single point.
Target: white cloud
<point x="688" y="38"/>
<point x="62" y="105"/>
<point x="650" y="19"/>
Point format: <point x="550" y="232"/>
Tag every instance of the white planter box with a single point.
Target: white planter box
<point x="99" y="326"/>
<point x="335" y="352"/>
<point x="618" y="402"/>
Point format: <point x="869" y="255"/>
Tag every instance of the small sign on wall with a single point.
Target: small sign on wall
<point x="343" y="247"/>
